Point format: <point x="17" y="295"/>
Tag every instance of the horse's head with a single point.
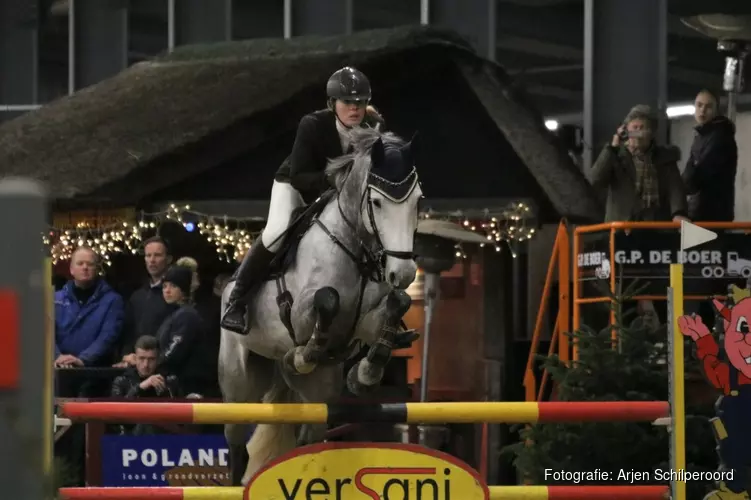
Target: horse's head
<point x="379" y="192"/>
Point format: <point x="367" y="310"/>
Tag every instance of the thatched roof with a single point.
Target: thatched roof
<point x="162" y="121"/>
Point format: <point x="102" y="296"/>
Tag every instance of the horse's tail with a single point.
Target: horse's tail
<point x="270" y="441"/>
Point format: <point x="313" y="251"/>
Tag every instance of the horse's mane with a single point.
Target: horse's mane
<point x="362" y="140"/>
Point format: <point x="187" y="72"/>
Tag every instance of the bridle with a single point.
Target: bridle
<point x="368" y="258"/>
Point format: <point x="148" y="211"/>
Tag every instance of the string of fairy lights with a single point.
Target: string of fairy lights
<point x="232" y="236"/>
<point x="511" y="226"/>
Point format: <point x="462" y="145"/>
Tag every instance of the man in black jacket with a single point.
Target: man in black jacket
<point x="301" y="179"/>
<point x="142" y="380"/>
<point x="146" y="308"/>
<point x="710" y="171"/>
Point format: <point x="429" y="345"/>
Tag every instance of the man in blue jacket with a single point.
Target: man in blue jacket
<point x="88" y="315"/>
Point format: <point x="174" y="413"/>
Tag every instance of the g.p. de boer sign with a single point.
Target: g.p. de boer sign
<point x="367" y="471"/>
<point x="647" y="255"/>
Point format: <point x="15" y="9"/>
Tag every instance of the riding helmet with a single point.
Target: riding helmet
<point x="350" y="84"/>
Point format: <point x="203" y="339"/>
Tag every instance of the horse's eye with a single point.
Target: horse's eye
<point x="377" y="203"/>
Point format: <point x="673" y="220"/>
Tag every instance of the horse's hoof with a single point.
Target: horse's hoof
<point x="302" y="366"/>
<point x="397" y="304"/>
<point x="294" y="364"/>
<point x="404" y="340"/>
<point x="288" y="362"/>
<point x="326" y="304"/>
<point x="355" y="386"/>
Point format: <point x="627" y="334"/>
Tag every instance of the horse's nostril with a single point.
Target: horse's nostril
<point x="392" y="277"/>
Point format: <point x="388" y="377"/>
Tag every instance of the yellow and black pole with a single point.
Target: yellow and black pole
<point x="677" y="378"/>
<point x="691" y="236"/>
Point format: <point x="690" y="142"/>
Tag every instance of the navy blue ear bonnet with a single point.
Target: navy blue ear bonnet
<point x="392" y="172"/>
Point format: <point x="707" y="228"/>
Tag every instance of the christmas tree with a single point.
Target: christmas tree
<point x="635" y="370"/>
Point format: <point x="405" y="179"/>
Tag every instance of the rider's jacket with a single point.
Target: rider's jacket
<point x="317" y="141"/>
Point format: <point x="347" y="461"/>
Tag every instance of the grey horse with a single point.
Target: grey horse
<point x="346" y="282"/>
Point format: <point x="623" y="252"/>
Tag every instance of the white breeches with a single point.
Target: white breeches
<point x="284" y="200"/>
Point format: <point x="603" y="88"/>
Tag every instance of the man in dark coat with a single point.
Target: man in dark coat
<point x="641" y="177"/>
<point x="142" y="381"/>
<point x="710" y="171"/>
<point x="146" y="308"/>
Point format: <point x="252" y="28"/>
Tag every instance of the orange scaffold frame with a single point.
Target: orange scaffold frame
<point x="563" y="260"/>
<point x="613" y="228"/>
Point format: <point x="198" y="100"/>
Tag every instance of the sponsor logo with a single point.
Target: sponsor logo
<point x="164" y="460"/>
<point x="201" y="457"/>
<point x="367" y="471"/>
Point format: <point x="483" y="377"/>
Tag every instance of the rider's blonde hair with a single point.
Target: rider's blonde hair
<point x="372" y="111"/>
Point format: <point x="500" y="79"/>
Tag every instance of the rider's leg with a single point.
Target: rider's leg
<point x="284" y="200"/>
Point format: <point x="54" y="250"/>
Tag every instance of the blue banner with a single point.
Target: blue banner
<point x="165" y="460"/>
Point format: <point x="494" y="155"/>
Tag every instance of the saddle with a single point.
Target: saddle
<point x="302" y="219"/>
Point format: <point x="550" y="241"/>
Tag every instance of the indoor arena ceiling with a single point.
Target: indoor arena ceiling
<point x="540" y="42"/>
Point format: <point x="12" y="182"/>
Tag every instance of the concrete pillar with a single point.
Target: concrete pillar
<point x="27" y="337"/>
<point x="473" y="19"/>
<point x="258" y="19"/>
<point x="625" y="63"/>
<point x="201" y="21"/>
<point x="321" y="17"/>
<point x="99" y="42"/>
<point x="18" y="56"/>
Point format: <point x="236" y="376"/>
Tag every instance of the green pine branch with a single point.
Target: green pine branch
<point x="637" y="370"/>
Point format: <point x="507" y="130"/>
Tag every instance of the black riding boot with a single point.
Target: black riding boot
<point x="252" y="271"/>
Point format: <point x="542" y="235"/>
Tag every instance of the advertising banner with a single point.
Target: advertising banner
<point x="647" y="255"/>
<point x="367" y="471"/>
<point x="165" y="460"/>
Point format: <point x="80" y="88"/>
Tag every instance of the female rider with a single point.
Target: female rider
<point x="321" y="135"/>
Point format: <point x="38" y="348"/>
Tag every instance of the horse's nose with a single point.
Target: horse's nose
<point x="392" y="278"/>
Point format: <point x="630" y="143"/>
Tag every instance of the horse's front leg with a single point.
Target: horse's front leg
<point x="366" y="374"/>
<point x="303" y="359"/>
<point x="322" y="386"/>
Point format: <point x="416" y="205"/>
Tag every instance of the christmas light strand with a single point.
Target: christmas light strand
<point x="233" y="236"/>
<point x="512" y="226"/>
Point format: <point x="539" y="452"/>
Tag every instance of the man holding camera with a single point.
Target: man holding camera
<point x="642" y="178"/>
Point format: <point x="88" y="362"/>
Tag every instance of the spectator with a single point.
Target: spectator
<point x="195" y="282"/>
<point x="641" y="177"/>
<point x="208" y="306"/>
<point x="182" y="337"/>
<point x="710" y="183"/>
<point x="642" y="180"/>
<point x="142" y="381"/>
<point x="88" y="315"/>
<point x="711" y="167"/>
<point x="147" y="309"/>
